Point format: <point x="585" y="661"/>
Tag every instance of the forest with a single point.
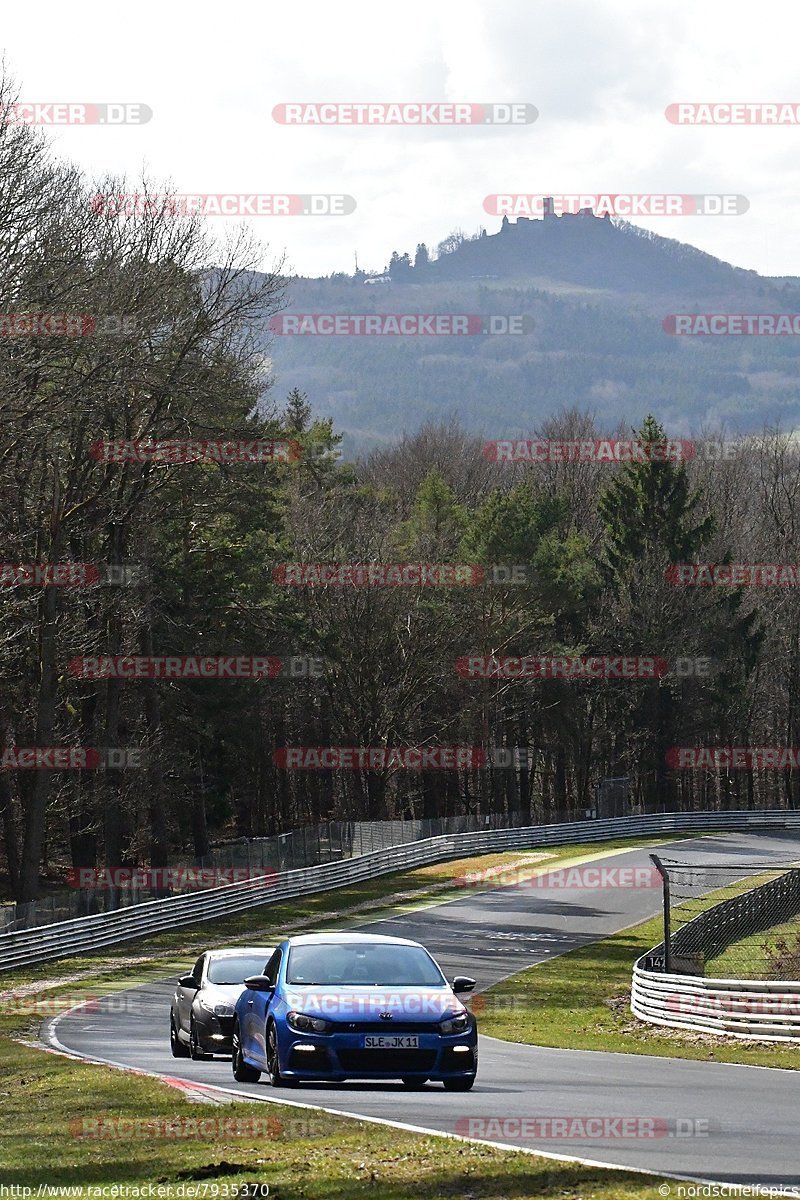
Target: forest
<point x="118" y="333"/>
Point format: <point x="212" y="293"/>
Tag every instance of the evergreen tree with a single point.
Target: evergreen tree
<point x="650" y="511"/>
<point x="297" y="414"/>
<point x="652" y="519"/>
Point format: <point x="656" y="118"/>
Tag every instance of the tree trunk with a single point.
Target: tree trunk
<point x="156" y="799"/>
<point x="38" y="789"/>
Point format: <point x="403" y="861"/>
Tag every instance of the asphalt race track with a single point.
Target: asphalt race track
<point x="752" y="1112"/>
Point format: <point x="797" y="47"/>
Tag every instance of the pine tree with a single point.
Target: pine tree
<point x="650" y="511"/>
<point x="652" y="518"/>
<point x="297" y="414"/>
<point x="436" y="519"/>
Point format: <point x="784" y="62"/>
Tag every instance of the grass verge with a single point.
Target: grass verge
<point x="49" y="1102"/>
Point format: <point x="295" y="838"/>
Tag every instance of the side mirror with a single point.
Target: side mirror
<point x="188" y="982"/>
<point x="463" y="983"/>
<point x="259" y="983"/>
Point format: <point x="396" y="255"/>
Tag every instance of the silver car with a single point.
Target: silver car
<point x="202" y="1010"/>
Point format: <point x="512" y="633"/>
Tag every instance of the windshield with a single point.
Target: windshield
<point x="234" y="968"/>
<point x="363" y="964"/>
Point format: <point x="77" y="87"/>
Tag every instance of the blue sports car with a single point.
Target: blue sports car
<point x="354" y="1006"/>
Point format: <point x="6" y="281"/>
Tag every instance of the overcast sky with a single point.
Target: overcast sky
<point x="600" y="73"/>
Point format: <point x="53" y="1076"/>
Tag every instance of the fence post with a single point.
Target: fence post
<point x="667" y="914"/>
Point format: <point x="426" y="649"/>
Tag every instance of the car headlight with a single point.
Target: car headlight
<point x="302" y="1023"/>
<point x="457" y="1024"/>
<point x="218" y="1010"/>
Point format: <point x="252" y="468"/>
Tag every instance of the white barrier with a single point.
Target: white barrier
<point x="743" y="1008"/>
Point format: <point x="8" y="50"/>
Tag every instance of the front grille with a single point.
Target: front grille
<point x="387" y="1027"/>
<point x="398" y="1061"/>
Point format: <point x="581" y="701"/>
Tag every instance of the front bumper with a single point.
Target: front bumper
<point x="215" y="1034"/>
<point x="344" y="1056"/>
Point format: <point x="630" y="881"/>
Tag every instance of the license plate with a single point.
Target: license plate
<point x="398" y="1042"/>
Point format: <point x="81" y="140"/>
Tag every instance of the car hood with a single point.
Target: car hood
<point x="222" y="993"/>
<point x="409" y="1004"/>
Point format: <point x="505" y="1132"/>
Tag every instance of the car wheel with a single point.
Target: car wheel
<point x="459" y="1085"/>
<point x="177" y="1047"/>
<point x="241" y="1072"/>
<point x="273" y="1060"/>
<point x="195" y="1049"/>
<point x="413" y="1082"/>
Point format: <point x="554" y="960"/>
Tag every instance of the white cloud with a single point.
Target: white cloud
<point x="601" y="72"/>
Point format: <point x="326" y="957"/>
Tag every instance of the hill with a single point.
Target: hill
<point x="595" y="291"/>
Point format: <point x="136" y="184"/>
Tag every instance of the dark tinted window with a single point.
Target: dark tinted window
<point x="363" y="963"/>
<point x="234" y="968"/>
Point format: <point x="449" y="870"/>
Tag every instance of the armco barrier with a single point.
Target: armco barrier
<point x="742" y="1008"/>
<point x="83" y="934"/>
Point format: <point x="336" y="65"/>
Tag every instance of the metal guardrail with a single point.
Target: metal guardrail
<point x="742" y="1008"/>
<point x="84" y="934"/>
<point x="306" y="846"/>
